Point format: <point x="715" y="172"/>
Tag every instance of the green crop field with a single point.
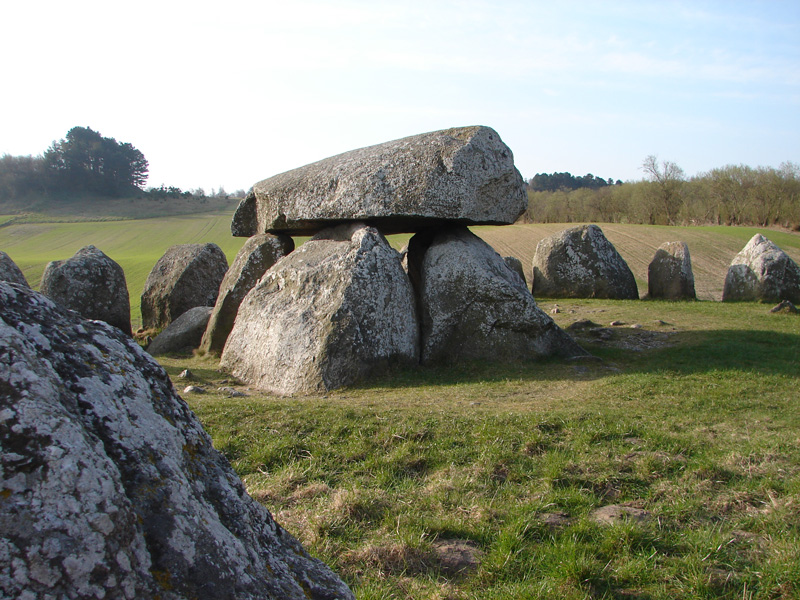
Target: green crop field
<point x="481" y="481"/>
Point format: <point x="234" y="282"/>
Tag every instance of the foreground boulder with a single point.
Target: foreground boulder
<point x="257" y="255"/>
<point x="669" y="274"/>
<point x="183" y="334"/>
<point x="464" y="174"/>
<point x="110" y="486"/>
<point x="188" y="275"/>
<point x="9" y="271"/>
<point x="91" y="284"/>
<point x="581" y="263"/>
<point x="333" y="311"/>
<point x="474" y="307"/>
<point x="762" y="271"/>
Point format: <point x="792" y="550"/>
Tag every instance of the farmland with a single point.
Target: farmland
<point x="482" y="481"/>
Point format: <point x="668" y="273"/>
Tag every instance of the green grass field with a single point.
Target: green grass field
<point x="480" y="481"/>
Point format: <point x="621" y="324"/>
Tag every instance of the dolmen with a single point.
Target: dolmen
<point x="762" y="272"/>
<point x="110" y="486"/>
<point x="670" y="275"/>
<point x="342" y="306"/>
<point x="580" y="262"/>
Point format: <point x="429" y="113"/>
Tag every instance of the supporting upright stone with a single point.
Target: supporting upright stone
<point x="465" y="175"/>
<point x="257" y="255"/>
<point x="474" y="307"/>
<point x="9" y="271"/>
<point x="337" y="309"/>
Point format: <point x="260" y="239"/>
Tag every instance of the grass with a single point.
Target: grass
<point x="508" y="462"/>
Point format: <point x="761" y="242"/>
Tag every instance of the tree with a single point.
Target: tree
<point x="87" y="161"/>
<point x="667" y="191"/>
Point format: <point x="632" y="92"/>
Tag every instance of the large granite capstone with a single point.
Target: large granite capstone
<point x="464" y="175"/>
<point x="110" y="488"/>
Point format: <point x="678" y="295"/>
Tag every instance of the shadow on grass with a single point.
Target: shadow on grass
<point x="693" y="352"/>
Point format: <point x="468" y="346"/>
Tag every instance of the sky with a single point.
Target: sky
<point x="225" y="94"/>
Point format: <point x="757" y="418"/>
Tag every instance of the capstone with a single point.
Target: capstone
<point x="464" y="174"/>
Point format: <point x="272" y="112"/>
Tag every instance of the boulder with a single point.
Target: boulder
<point x="473" y="307"/>
<point x="188" y="275"/>
<point x="465" y="174"/>
<point x="9" y="271"/>
<point x="110" y="486"/>
<point x="764" y="272"/>
<point x="331" y="312"/>
<point x="257" y="255"/>
<point x="515" y="264"/>
<point x="183" y="334"/>
<point x="581" y="263"/>
<point x="669" y="275"/>
<point x="91" y="284"/>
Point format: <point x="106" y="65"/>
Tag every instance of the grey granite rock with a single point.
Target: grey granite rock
<point x="581" y="263"/>
<point x="188" y="275"/>
<point x="473" y="307"/>
<point x="9" y="271"/>
<point x="669" y="274"/>
<point x="764" y="272"/>
<point x="257" y="255"/>
<point x="333" y="311"/>
<point x="110" y="486"/>
<point x="465" y="174"/>
<point x="91" y="284"/>
<point x="183" y="334"/>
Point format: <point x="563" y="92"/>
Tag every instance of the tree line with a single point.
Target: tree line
<point x="553" y="182"/>
<point x="83" y="162"/>
<point x="729" y="195"/>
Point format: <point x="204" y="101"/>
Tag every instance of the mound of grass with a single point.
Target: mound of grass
<point x="482" y="481"/>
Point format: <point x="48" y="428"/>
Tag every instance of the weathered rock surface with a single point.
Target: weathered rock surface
<point x="110" y="486"/>
<point x="334" y="310"/>
<point x="464" y="174"/>
<point x="257" y="255"/>
<point x="91" y="284"/>
<point x="515" y="264"/>
<point x="183" y="334"/>
<point x="669" y="274"/>
<point x="188" y="275"/>
<point x="9" y="271"/>
<point x="581" y="263"/>
<point x="762" y="271"/>
<point x="474" y="307"/>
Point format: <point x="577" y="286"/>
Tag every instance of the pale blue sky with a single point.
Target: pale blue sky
<point x="228" y="93"/>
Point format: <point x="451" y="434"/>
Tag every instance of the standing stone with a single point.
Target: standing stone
<point x="670" y="275"/>
<point x="257" y="255"/>
<point x="762" y="271"/>
<point x="9" y="271"/>
<point x="581" y="263"/>
<point x="188" y="275"/>
<point x="473" y="307"/>
<point x="465" y="174"/>
<point x="333" y="311"/>
<point x="183" y="334"/>
<point x="515" y="264"/>
<point x="110" y="486"/>
<point x="91" y="284"/>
